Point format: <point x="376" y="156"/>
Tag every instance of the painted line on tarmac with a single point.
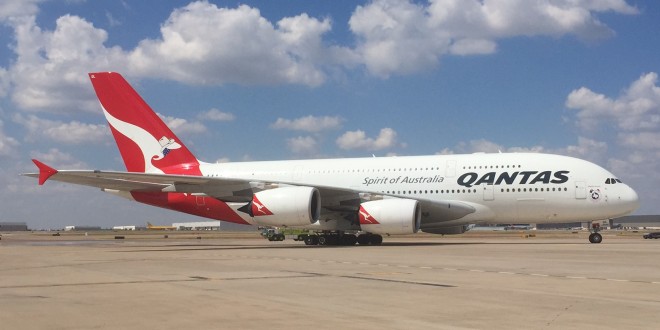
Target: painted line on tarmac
<point x="455" y="269"/>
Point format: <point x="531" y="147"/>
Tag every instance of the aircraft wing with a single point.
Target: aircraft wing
<point x="236" y="190"/>
<point x="221" y="188"/>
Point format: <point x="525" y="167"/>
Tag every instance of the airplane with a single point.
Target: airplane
<point x="349" y="200"/>
<point x="152" y="227"/>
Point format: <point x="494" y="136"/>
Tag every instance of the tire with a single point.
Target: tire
<point x="323" y="240"/>
<point x="363" y="239"/>
<point x="376" y="240"/>
<point x="595" y="238"/>
<point x="311" y="240"/>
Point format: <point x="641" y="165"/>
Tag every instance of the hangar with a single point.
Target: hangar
<point x="13" y="226"/>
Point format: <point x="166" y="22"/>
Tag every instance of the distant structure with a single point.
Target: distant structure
<point x="638" y="221"/>
<point x="124" y="228"/>
<point x="212" y="225"/>
<point x="81" y="228"/>
<point x="13" y="226"/>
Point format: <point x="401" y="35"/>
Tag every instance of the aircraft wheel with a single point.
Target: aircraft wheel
<point x="323" y="240"/>
<point x="311" y="240"/>
<point x="376" y="239"/>
<point x="595" y="238"/>
<point x="363" y="239"/>
<point x="349" y="239"/>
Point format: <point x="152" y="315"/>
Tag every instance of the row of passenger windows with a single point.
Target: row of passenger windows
<point x="469" y="191"/>
<point x="490" y="166"/>
<point x="532" y="189"/>
<point x="372" y="170"/>
<point x="414" y="192"/>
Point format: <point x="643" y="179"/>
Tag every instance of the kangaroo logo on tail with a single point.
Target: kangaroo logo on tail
<point x="166" y="145"/>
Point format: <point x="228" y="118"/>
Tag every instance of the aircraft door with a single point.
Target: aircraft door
<point x="580" y="190"/>
<point x="489" y="192"/>
<point x="450" y="169"/>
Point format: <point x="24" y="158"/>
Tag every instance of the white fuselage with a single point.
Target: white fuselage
<point x="503" y="188"/>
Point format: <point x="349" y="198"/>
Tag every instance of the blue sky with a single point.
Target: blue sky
<point x="264" y="80"/>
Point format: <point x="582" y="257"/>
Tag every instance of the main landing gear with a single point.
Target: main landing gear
<point x="595" y="237"/>
<point x="330" y="238"/>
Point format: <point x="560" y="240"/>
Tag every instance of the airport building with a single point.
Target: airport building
<point x="638" y="222"/>
<point x="13" y="226"/>
<point x="212" y="225"/>
<point x="81" y="228"/>
<point x="124" y="228"/>
<point x="199" y="225"/>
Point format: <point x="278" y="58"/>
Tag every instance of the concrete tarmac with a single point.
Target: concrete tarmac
<point x="495" y="282"/>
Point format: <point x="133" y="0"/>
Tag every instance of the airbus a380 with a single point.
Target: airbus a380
<point x="336" y="198"/>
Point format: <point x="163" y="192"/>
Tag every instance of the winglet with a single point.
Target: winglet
<point x="45" y="171"/>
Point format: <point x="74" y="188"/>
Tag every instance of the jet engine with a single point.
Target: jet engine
<point x="390" y="216"/>
<point x="286" y="206"/>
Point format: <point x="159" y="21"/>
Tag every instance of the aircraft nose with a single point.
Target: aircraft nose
<point x="630" y="199"/>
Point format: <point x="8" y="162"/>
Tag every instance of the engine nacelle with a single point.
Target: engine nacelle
<point x="390" y="216"/>
<point x="286" y="206"/>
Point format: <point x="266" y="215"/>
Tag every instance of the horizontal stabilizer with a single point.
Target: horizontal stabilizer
<point x="45" y="171"/>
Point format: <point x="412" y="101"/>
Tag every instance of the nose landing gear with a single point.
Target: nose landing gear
<point x="595" y="237"/>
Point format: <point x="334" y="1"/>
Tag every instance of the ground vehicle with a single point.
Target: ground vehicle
<point x="655" y="235"/>
<point x="272" y="234"/>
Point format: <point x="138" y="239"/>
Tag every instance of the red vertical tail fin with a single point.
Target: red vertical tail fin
<point x="146" y="144"/>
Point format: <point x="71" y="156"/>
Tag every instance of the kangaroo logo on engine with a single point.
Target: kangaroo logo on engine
<point x="523" y="177"/>
<point x="366" y="218"/>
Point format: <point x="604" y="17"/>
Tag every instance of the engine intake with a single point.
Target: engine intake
<point x="390" y="216"/>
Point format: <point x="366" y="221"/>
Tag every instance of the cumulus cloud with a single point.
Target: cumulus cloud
<point x="50" y="72"/>
<point x="310" y="123"/>
<point x="303" y="145"/>
<point x="18" y="8"/>
<point x="203" y="44"/>
<point x="7" y="143"/>
<point x="216" y="115"/>
<point x="400" y="37"/>
<point x="359" y="140"/>
<point x="486" y="146"/>
<point x="75" y="132"/>
<point x="58" y="159"/>
<point x="637" y="108"/>
<point x="182" y="126"/>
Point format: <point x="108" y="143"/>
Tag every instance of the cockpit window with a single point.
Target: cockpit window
<point x="612" y="181"/>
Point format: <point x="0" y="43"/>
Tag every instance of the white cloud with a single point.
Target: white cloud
<point x="182" y="126"/>
<point x="310" y="123"/>
<point x="74" y="132"/>
<point x="359" y="140"/>
<point x="4" y="82"/>
<point x="7" y="143"/>
<point x="637" y="108"/>
<point x="203" y="44"/>
<point x="303" y="145"/>
<point x="18" y="8"/>
<point x="58" y="159"/>
<point x="217" y="115"/>
<point x="50" y="72"/>
<point x="401" y="37"/>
